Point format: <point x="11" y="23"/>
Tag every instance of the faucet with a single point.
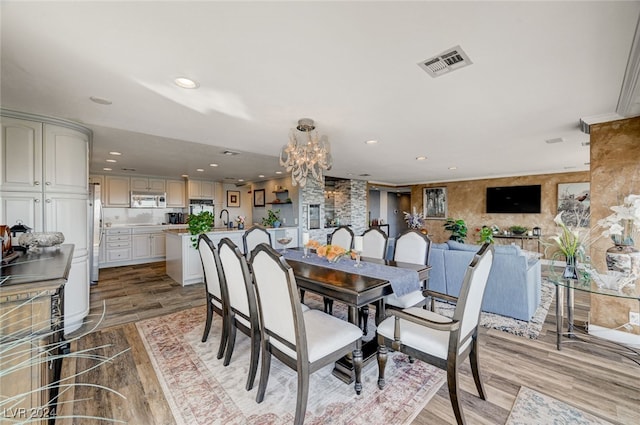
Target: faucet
<point x="228" y="223"/>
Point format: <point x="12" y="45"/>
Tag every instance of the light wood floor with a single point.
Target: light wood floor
<point x="583" y="375"/>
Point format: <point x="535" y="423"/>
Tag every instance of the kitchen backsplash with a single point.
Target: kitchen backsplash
<point x="138" y="215"/>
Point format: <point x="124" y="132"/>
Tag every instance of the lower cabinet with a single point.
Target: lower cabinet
<point x="147" y="245"/>
<point x="138" y="245"/>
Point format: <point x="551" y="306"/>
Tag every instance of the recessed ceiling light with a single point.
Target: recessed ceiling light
<point x="111" y="160"/>
<point x="278" y="172"/>
<point x="115" y="153"/>
<point x="420" y="158"/>
<point x="261" y="175"/>
<point x="185" y="175"/>
<point x="349" y="174"/>
<point x="453" y="168"/>
<point x="100" y="100"/>
<point x="107" y="169"/>
<point x="370" y="142"/>
<point x="213" y="165"/>
<point x="200" y="170"/>
<point x="186" y="83"/>
<point x="240" y="180"/>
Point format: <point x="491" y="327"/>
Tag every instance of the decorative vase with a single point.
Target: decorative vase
<point x="570" y="271"/>
<point x="240" y="226"/>
<point x="276" y="224"/>
<point x="623" y="258"/>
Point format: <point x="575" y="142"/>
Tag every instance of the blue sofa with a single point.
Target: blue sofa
<point x="514" y="282"/>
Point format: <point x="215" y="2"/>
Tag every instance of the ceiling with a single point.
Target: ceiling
<point x="538" y="67"/>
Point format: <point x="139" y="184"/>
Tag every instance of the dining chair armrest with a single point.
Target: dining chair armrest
<point x="453" y="325"/>
<point x="442" y="296"/>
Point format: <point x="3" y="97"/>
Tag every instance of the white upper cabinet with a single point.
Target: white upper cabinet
<point x="117" y="191"/>
<point x="175" y="194"/>
<point x="200" y="189"/>
<point x="144" y="184"/>
<point x="66" y="155"/>
<point x="21" y="162"/>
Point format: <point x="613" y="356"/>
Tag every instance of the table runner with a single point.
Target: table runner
<point x="403" y="281"/>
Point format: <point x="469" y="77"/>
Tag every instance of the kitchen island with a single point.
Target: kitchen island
<point x="183" y="260"/>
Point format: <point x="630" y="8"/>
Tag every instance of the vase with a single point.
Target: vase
<point x="240" y="226"/>
<point x="570" y="271"/>
<point x="623" y="258"/>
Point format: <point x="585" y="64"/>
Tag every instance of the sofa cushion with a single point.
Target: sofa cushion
<point x="462" y="246"/>
<point x="508" y="249"/>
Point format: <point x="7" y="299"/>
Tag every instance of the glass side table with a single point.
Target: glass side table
<point x="631" y="292"/>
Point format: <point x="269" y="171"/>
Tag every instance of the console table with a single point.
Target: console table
<point x="521" y="238"/>
<point x="32" y="333"/>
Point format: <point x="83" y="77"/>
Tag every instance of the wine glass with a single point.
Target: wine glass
<point x="284" y="241"/>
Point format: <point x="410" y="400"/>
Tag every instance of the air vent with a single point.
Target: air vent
<point x="445" y="62"/>
<point x="228" y="152"/>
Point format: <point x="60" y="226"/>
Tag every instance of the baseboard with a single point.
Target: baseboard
<point x="615" y="335"/>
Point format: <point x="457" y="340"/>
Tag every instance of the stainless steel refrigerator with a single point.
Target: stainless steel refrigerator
<point x="95" y="230"/>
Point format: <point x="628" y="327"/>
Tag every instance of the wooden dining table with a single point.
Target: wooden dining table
<point x="354" y="289"/>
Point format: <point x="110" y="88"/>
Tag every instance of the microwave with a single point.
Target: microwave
<point x="148" y="200"/>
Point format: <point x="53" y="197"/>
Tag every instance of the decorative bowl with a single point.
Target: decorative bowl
<point x="613" y="279"/>
<point x="40" y="239"/>
<point x="518" y="230"/>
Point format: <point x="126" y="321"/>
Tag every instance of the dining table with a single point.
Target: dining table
<point x="356" y="287"/>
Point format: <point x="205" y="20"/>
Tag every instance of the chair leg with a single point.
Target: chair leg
<point x="382" y="363"/>
<point x="363" y="319"/>
<point x="475" y="369"/>
<point x="303" y="394"/>
<point x="231" y="341"/>
<point x="357" y="368"/>
<point x="255" y="353"/>
<point x="452" y="381"/>
<point x="223" y="339"/>
<point x="264" y="374"/>
<point x="328" y="306"/>
<point x="302" y="296"/>
<point x="207" y="325"/>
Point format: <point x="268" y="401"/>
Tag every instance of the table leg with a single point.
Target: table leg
<point x="570" y="303"/>
<point x="559" y="316"/>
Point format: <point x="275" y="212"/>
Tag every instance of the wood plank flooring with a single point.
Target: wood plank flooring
<point x="581" y="374"/>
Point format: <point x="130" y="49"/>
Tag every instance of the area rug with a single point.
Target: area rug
<point x="534" y="408"/>
<point x="200" y="390"/>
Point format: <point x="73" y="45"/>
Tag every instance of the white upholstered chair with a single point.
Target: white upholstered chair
<point x="412" y="246"/>
<point x="242" y="311"/>
<point x="437" y="339"/>
<point x="342" y="236"/>
<point x="216" y="293"/>
<point x="374" y="243"/>
<point x="304" y="341"/>
<point x="254" y="237"/>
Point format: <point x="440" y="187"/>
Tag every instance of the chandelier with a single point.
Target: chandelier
<point x="310" y="155"/>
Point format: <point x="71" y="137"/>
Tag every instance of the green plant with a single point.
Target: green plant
<point x="271" y="218"/>
<point x="199" y="223"/>
<point x="485" y="234"/>
<point x="518" y="230"/>
<point x="458" y="229"/>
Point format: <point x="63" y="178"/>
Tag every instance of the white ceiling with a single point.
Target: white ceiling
<point x="538" y="67"/>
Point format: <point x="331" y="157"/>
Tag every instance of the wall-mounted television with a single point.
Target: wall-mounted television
<point x="514" y="199"/>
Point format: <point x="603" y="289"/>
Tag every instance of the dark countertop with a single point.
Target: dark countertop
<point x="40" y="271"/>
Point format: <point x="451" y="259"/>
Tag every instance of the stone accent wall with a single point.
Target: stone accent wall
<point x="359" y="220"/>
<point x="615" y="173"/>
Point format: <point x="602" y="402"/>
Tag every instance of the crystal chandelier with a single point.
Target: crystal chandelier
<point x="312" y="155"/>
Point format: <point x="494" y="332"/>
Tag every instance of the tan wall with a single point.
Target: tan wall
<point x="467" y="200"/>
<point x="615" y="173"/>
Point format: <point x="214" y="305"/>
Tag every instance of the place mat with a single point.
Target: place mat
<point x="403" y="281"/>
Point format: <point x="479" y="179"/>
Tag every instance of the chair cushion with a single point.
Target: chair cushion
<point x="304" y="307"/>
<point x="422" y="338"/>
<point x="405" y="301"/>
<point x="325" y="334"/>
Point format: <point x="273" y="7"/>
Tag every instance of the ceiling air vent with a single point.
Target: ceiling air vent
<point x="446" y="62"/>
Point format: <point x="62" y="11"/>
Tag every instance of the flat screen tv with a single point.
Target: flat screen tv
<point x="514" y="199"/>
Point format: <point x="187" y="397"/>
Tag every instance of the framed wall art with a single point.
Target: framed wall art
<point x="574" y="203"/>
<point x="434" y="203"/>
<point x="258" y="198"/>
<point x="233" y="198"/>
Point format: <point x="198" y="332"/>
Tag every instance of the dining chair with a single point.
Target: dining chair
<point x="304" y="341"/>
<point x="253" y="237"/>
<point x="441" y="341"/>
<point x="242" y="311"/>
<point x="412" y="246"/>
<point x="215" y="291"/>
<point x="342" y="237"/>
<point x="374" y="245"/>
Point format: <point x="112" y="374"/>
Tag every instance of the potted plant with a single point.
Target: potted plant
<point x="518" y="230"/>
<point x="272" y="219"/>
<point x="458" y="229"/>
<point x="199" y="223"/>
<point x="485" y="234"/>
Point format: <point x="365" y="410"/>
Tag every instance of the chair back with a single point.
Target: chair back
<point x="237" y="280"/>
<point x="254" y="237"/>
<point x="343" y="237"/>
<point x="472" y="292"/>
<point x="374" y="243"/>
<point x="278" y="299"/>
<point x="211" y="266"/>
<point x="412" y="246"/>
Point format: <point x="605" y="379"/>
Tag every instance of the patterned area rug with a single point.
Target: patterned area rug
<point x="200" y="390"/>
<point x="534" y="408"/>
<point x="529" y="329"/>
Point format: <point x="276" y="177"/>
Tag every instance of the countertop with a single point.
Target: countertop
<point x="32" y="269"/>
<point x="185" y="231"/>
<point x="143" y="226"/>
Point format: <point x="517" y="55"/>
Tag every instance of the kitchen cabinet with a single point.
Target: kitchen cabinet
<point x="117" y="192"/>
<point x="148" y="184"/>
<point x="176" y="194"/>
<point x="118" y="247"/>
<point x="201" y="189"/>
<point x="148" y="244"/>
<point x="218" y="197"/>
<point x="44" y="183"/>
